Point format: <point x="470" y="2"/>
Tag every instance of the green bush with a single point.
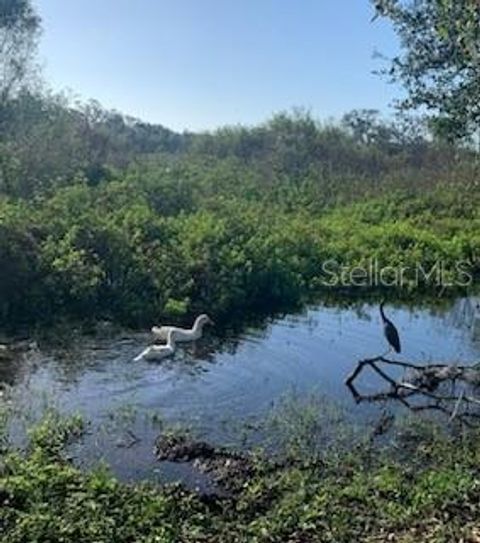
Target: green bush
<point x="172" y="241"/>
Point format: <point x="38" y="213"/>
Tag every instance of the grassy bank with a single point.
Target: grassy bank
<point x="172" y="242"/>
<point x="429" y="492"/>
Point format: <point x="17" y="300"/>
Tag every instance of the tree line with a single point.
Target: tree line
<point x="105" y="216"/>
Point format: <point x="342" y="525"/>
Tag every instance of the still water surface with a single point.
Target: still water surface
<point x="222" y="383"/>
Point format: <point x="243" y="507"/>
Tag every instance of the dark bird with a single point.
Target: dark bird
<point x="390" y="331"/>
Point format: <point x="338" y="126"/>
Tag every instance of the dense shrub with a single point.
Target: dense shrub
<point x="175" y="240"/>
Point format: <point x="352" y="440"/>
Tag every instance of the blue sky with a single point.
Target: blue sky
<point x="200" y="64"/>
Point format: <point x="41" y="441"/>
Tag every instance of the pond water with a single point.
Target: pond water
<point x="221" y="384"/>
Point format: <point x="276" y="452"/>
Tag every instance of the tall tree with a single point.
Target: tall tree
<point x="19" y="32"/>
<point x="439" y="64"/>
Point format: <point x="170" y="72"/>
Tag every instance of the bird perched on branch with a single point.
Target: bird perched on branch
<point x="390" y="332"/>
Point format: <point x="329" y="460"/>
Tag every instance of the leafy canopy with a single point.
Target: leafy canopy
<point x="19" y="31"/>
<point x="439" y="65"/>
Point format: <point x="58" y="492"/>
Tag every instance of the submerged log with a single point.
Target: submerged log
<point x="227" y="468"/>
<point x="448" y="388"/>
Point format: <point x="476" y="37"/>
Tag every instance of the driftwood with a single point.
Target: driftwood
<point x="450" y="389"/>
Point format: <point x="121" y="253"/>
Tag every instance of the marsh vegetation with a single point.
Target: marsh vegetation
<point x="109" y="225"/>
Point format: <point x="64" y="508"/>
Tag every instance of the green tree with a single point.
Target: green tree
<point x="19" y="31"/>
<point x="439" y="63"/>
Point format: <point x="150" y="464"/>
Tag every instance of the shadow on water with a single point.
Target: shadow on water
<point x="225" y="386"/>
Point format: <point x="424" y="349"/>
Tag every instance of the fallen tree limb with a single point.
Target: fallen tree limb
<point x="451" y="389"/>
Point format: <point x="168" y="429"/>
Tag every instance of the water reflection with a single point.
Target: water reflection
<point x="228" y="380"/>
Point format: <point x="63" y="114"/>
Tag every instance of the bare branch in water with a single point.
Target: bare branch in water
<point x="449" y="389"/>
